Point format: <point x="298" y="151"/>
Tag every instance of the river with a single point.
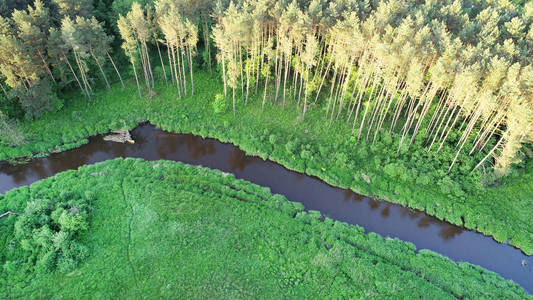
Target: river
<point x="381" y="217"/>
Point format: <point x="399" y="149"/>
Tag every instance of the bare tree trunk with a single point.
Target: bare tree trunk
<point x="360" y="95"/>
<point x="75" y="76"/>
<point x="247" y="81"/>
<point x="170" y="63"/>
<point x="345" y="87"/>
<point x="375" y="110"/>
<point x="306" y="89"/>
<point x="162" y="64"/>
<point x="101" y="70"/>
<point x="47" y="68"/>
<point x="234" y="109"/>
<point x="183" y="69"/>
<point x="285" y="80"/>
<point x="322" y="81"/>
<point x="206" y="40"/>
<point x="178" y="84"/>
<point x="190" y="69"/>
<point x="466" y="133"/>
<point x="145" y="68"/>
<point x="242" y="74"/>
<point x="116" y="70"/>
<point x="88" y="88"/>
<point x="491" y="151"/>
<point x="366" y="108"/>
<point x="145" y="47"/>
<point x="264" y="94"/>
<point x="342" y="77"/>
<point x="224" y="76"/>
<point x="331" y="89"/>
<point x="4" y="90"/>
<point x="136" y="78"/>
<point x="384" y="116"/>
<point x="444" y="136"/>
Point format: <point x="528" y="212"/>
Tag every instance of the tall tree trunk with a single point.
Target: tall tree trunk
<point x="145" y="47"/>
<point x="190" y="69"/>
<point x="75" y="76"/>
<point x="247" y="79"/>
<point x="145" y="69"/>
<point x="178" y="84"/>
<point x="287" y="60"/>
<point x="206" y="41"/>
<point x="83" y="77"/>
<point x="345" y="87"/>
<point x="101" y="70"/>
<point x="136" y="78"/>
<point x="368" y="105"/>
<point x="162" y="64"/>
<point x="47" y="67"/>
<point x="306" y="90"/>
<point x="242" y="74"/>
<point x="331" y="89"/>
<point x="170" y="63"/>
<point x="116" y="70"/>
<point x="234" y="109"/>
<point x="224" y="76"/>
<point x="360" y="96"/>
<point x="4" y="90"/>
<point x="322" y="81"/>
<point x="264" y="93"/>
<point x="183" y="69"/>
<point x="491" y="151"/>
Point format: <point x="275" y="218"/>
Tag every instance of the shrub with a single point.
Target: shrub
<point x="47" y="232"/>
<point x="219" y="105"/>
<point x="12" y="134"/>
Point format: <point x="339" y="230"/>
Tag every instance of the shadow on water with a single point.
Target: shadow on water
<point x="384" y="218"/>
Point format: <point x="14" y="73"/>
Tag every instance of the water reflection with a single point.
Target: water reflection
<point x="386" y="210"/>
<point x="447" y="231"/>
<point x="373" y="204"/>
<point x="198" y="147"/>
<point x="238" y="160"/>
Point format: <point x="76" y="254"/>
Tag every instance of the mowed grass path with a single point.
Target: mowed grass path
<point x="169" y="230"/>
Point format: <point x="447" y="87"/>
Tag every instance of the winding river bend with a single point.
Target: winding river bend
<point x="375" y="216"/>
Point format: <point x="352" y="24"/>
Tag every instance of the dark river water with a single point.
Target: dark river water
<point x="377" y="216"/>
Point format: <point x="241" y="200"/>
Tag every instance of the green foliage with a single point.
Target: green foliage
<point x="37" y="100"/>
<point x="161" y="229"/>
<point x="219" y="105"/>
<point x="12" y="134"/>
<point x="47" y="233"/>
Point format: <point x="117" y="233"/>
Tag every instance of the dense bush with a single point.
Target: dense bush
<point x="12" y="134"/>
<point x="45" y="235"/>
<point x="219" y="105"/>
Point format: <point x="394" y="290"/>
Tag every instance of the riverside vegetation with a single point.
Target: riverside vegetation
<point x="310" y="147"/>
<point x="420" y="103"/>
<point x="195" y="232"/>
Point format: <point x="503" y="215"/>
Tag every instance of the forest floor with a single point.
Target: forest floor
<point x="414" y="179"/>
<point x="200" y="233"/>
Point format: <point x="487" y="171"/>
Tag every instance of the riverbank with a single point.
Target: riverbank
<point x="242" y="240"/>
<point x="311" y="147"/>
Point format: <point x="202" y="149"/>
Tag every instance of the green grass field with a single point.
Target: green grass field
<point x="414" y="179"/>
<point x="169" y="230"/>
